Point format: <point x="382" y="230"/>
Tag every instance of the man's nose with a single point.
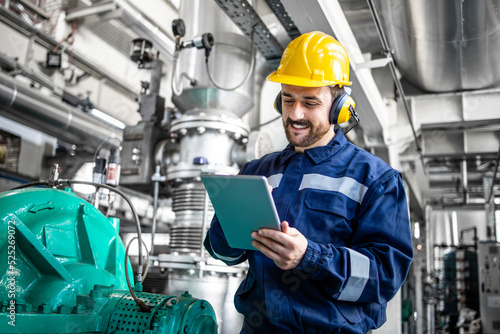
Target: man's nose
<point x="297" y="112"/>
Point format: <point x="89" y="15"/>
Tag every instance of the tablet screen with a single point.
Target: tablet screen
<point x="243" y="204"/>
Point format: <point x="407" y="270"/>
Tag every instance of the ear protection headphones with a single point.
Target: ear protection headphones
<point x="341" y="111"/>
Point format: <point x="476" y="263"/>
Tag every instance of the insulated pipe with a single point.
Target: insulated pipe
<point x="444" y="46"/>
<point x="44" y="113"/>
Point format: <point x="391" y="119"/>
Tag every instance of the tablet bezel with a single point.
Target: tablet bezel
<point x="242" y="204"/>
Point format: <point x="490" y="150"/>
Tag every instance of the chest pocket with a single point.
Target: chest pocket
<point x="327" y="217"/>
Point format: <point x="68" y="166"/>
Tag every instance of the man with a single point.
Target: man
<point x="345" y="246"/>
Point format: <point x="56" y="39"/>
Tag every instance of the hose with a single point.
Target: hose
<point x="250" y="70"/>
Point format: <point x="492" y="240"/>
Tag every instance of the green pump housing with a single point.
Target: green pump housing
<point x="62" y="270"/>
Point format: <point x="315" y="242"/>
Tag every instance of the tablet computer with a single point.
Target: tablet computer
<point x="243" y="204"/>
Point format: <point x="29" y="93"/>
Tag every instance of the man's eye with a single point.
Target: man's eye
<point x="288" y="101"/>
<point x="310" y="105"/>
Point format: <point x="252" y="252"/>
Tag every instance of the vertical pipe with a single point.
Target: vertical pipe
<point x="204" y="223"/>
<point x="430" y="319"/>
<point x="454" y="229"/>
<point x="419" y="296"/>
<point x="459" y="259"/>
<point x="429" y="251"/>
<point x="465" y="183"/>
<point x="156" y="179"/>
<point x="429" y="268"/>
<point x="489" y="207"/>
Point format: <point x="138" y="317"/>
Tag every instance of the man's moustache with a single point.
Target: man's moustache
<point x="300" y="123"/>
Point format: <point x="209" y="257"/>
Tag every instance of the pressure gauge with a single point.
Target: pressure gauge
<point x="178" y="28"/>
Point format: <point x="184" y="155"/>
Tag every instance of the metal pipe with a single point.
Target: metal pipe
<point x="431" y="325"/>
<point x="428" y="240"/>
<point x="204" y="223"/>
<point x="155" y="207"/>
<point x="489" y="208"/>
<point x="388" y="52"/>
<point x="44" y="113"/>
<point x="13" y="64"/>
<point x="48" y="42"/>
<point x="131" y="16"/>
<point x="455" y="41"/>
<point x="465" y="184"/>
<point x="44" y="15"/>
<point x="429" y="283"/>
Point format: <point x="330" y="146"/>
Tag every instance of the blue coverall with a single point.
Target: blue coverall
<point x="351" y="207"/>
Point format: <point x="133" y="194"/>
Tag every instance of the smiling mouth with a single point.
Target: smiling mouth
<point x="299" y="126"/>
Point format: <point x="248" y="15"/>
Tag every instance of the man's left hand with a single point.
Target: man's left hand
<point x="286" y="247"/>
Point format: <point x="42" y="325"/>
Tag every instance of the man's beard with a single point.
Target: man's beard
<point x="315" y="133"/>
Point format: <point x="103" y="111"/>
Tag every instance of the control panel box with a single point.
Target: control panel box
<point x="489" y="279"/>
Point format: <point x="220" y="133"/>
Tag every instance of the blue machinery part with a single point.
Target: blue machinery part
<point x="62" y="271"/>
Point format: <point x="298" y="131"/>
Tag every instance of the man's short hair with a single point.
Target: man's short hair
<point x="336" y="91"/>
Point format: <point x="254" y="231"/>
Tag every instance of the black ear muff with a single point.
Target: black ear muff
<point x="277" y="103"/>
<point x="340" y="111"/>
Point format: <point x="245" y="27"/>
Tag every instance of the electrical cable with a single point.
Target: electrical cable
<point x="174" y="84"/>
<point x="31" y="184"/>
<point x="250" y="70"/>
<point x="107" y="140"/>
<point x="53" y="26"/>
<point x="61" y="41"/>
<point x="139" y="302"/>
<point x="73" y="34"/>
<point x="147" y="256"/>
<point x="266" y="123"/>
<point x="126" y="198"/>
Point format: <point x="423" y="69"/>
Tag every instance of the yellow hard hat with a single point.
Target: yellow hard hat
<point x="313" y="59"/>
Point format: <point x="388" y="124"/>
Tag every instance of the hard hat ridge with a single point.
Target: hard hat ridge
<point x="313" y="59"/>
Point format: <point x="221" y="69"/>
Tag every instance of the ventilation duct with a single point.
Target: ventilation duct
<point x="443" y="46"/>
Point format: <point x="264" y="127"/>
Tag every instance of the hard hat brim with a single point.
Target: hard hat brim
<point x="297" y="81"/>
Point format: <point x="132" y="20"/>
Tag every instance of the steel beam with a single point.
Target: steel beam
<point x="463" y="109"/>
<point x="96" y="9"/>
<point x="460" y="143"/>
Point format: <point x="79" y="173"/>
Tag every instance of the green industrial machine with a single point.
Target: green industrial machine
<point x="62" y="270"/>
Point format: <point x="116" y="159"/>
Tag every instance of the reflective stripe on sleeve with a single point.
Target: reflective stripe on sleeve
<point x="360" y="272"/>
<point x="345" y="185"/>
<point x="225" y="258"/>
<point x="274" y="180"/>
